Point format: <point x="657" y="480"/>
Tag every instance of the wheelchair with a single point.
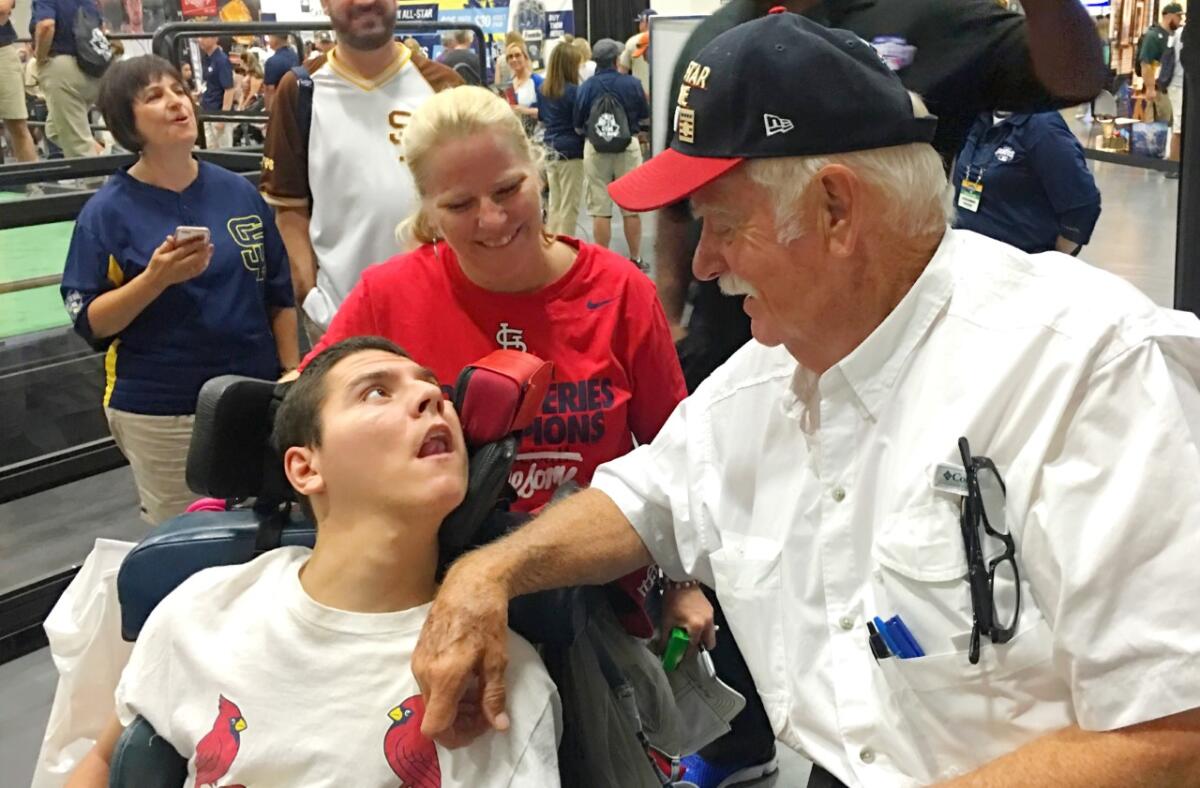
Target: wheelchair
<point x="231" y="458"/>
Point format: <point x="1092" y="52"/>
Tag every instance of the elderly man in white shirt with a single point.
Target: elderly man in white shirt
<point x="999" y="449"/>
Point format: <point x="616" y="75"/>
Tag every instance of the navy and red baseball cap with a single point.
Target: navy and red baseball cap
<point x="781" y="85"/>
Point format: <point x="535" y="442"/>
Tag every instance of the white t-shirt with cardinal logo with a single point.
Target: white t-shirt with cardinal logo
<point x="260" y="685"/>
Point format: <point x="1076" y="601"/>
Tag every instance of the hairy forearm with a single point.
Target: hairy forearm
<point x="287" y="341"/>
<point x="1149" y="77"/>
<point x="293" y="228"/>
<point x="672" y="274"/>
<point x="110" y="313"/>
<point x="43" y="35"/>
<point x="1065" y="48"/>
<point x="584" y="540"/>
<point x="1163" y="753"/>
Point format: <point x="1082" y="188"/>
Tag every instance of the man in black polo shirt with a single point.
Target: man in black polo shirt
<point x="1153" y="54"/>
<point x="963" y="57"/>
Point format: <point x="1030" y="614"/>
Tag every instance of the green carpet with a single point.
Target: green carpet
<point x="27" y="252"/>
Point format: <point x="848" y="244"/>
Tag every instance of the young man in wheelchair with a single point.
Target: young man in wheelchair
<point x="293" y="669"/>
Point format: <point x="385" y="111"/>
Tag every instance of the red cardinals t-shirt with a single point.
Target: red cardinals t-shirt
<point x="616" y="373"/>
<point x="259" y="685"/>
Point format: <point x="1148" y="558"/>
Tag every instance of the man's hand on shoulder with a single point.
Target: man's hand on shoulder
<point x="462" y="654"/>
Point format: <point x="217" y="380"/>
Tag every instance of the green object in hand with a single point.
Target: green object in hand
<point x="677" y="646"/>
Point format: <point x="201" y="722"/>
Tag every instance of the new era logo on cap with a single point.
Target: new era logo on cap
<point x="776" y="124"/>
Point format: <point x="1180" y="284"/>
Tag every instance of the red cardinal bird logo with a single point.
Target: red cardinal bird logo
<point x="412" y="756"/>
<point x="218" y="748"/>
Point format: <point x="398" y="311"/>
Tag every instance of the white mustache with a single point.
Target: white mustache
<point x="733" y="285"/>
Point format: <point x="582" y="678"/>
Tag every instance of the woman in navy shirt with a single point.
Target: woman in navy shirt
<point x="1022" y="179"/>
<point x="172" y="311"/>
<point x="564" y="169"/>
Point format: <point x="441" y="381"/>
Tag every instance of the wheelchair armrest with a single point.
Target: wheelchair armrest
<point x="143" y="759"/>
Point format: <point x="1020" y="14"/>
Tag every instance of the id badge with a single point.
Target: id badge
<point x="970" y="195"/>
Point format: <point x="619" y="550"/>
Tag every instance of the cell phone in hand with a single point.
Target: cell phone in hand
<point x="185" y="233"/>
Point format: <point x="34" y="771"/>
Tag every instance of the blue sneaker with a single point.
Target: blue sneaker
<point x="704" y="774"/>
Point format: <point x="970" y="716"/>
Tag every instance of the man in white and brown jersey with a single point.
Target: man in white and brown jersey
<point x="363" y="92"/>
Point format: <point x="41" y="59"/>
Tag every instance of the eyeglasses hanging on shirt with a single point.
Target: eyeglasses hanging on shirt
<point x="996" y="587"/>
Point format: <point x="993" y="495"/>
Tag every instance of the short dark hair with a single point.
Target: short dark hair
<point x="119" y="89"/>
<point x="298" y="420"/>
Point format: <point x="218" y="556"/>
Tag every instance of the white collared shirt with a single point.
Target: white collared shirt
<point x="808" y="503"/>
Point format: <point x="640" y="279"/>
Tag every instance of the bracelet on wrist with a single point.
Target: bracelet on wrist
<point x="675" y="585"/>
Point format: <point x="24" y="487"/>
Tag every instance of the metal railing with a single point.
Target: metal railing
<point x="169" y="36"/>
<point x="32" y="283"/>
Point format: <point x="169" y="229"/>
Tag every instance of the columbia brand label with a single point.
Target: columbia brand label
<point x="895" y="51"/>
<point x="1005" y="154"/>
<point x="950" y="478"/>
<point x="777" y="125"/>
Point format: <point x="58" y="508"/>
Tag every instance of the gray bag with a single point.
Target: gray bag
<point x="600" y="746"/>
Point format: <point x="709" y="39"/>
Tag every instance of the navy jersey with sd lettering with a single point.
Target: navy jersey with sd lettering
<point x="217" y="323"/>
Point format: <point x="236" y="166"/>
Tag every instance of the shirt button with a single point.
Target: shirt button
<point x="838" y="494"/>
<point x="847" y="623"/>
<point x="867" y="755"/>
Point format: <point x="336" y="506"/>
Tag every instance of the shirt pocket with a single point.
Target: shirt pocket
<point x="747" y="576"/>
<point x="961" y="715"/>
<point x="958" y="713"/>
<point x="919" y="573"/>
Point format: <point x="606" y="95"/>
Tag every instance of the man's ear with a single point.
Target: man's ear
<point x="302" y="468"/>
<point x="841" y="208"/>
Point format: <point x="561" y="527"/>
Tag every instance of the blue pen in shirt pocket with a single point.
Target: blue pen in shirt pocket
<point x="898" y="638"/>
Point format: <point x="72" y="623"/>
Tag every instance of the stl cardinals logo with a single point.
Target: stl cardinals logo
<point x="412" y="756"/>
<point x="216" y="751"/>
<point x="511" y="338"/>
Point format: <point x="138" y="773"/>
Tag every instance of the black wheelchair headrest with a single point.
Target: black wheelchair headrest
<point x="231" y="454"/>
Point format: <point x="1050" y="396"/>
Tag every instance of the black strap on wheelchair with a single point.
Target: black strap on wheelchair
<point x="274" y="513"/>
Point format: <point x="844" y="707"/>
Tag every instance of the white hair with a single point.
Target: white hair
<point x="911" y="179"/>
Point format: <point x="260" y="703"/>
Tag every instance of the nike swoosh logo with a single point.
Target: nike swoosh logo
<point x="597" y="304"/>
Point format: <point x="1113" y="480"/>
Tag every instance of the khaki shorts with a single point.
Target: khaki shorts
<point x="566" y="190"/>
<point x="69" y="95"/>
<point x="601" y="169"/>
<point x="157" y="449"/>
<point x="12" y="85"/>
